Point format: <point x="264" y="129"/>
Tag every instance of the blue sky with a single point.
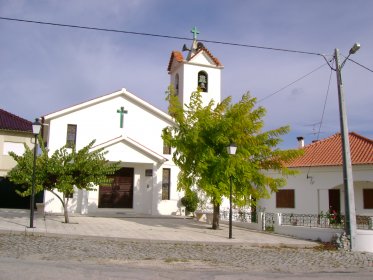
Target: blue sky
<point x="46" y="68"/>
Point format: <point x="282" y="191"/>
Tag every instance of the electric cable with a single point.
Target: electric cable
<point x="157" y="35"/>
<point x="297" y="80"/>
<point x="321" y="121"/>
<point x="360" y="64"/>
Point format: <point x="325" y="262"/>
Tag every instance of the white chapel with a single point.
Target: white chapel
<point x="130" y="129"/>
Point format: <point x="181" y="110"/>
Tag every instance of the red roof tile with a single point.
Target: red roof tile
<point x="178" y="56"/>
<point x="175" y="55"/>
<point x="8" y="121"/>
<point x="328" y="152"/>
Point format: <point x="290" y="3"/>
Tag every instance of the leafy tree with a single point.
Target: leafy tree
<point x="61" y="171"/>
<point x="201" y="136"/>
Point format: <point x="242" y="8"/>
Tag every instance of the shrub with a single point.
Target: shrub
<point x="190" y="201"/>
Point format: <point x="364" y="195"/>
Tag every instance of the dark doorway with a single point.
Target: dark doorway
<point x="120" y="193"/>
<point x="10" y="199"/>
<point x="335" y="200"/>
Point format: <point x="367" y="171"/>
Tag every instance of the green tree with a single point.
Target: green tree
<point x="61" y="171"/>
<point x="201" y="136"/>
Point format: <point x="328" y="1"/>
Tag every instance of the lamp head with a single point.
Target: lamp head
<point x="36" y="126"/>
<point x="231" y="149"/>
<point x="355" y="48"/>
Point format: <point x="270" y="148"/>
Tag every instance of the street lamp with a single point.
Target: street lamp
<point x="36" y="126"/>
<point x="231" y="149"/>
<point x="350" y="212"/>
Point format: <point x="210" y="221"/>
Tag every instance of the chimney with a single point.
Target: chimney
<point x="300" y="142"/>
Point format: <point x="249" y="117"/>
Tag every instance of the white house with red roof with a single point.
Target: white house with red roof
<point x="130" y="129"/>
<point x="319" y="184"/>
<point x="14" y="133"/>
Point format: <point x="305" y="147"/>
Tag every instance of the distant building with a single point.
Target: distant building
<point x="319" y="184"/>
<point x="14" y="133"/>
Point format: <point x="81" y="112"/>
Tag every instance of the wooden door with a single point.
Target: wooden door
<point x="120" y="193"/>
<point x="335" y="200"/>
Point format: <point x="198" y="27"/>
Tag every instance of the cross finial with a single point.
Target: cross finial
<point x="195" y="32"/>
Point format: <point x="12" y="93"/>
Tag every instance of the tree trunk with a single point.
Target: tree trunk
<point x="64" y="204"/>
<point x="65" y="211"/>
<point x="216" y="216"/>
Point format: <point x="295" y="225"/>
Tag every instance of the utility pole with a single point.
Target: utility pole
<point x="350" y="212"/>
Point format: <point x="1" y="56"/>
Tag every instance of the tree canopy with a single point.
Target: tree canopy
<point x="61" y="171"/>
<point x="201" y="136"/>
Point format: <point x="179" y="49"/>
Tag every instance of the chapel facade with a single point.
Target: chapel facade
<point x="130" y="130"/>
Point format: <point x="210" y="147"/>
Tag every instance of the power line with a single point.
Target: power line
<point x="321" y="122"/>
<point x="297" y="80"/>
<point x="93" y="28"/>
<point x="158" y="35"/>
<point x="360" y="64"/>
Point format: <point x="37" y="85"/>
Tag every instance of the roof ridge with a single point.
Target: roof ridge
<point x="328" y="152"/>
<point x="10" y="121"/>
<point x="174" y="54"/>
<point x="14" y="115"/>
<point x="318" y="142"/>
<point x="216" y="61"/>
<point x="361" y="137"/>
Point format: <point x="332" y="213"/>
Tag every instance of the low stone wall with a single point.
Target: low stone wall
<point x="312" y="233"/>
<point x="364" y="240"/>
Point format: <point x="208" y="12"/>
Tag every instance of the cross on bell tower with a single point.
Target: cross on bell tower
<point x="195" y="32"/>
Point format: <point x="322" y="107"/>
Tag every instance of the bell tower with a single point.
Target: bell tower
<point x="200" y="69"/>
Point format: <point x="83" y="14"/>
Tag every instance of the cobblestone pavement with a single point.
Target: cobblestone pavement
<point x="180" y="254"/>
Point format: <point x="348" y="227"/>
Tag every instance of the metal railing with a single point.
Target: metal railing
<point x="239" y="216"/>
<point x="335" y="221"/>
<point x="312" y="220"/>
<point x="364" y="222"/>
<point x="324" y="221"/>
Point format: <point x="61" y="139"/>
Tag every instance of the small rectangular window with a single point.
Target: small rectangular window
<point x="166" y="176"/>
<point x="166" y="149"/>
<point x="17" y="148"/>
<point x="285" y="199"/>
<point x="368" y="198"/>
<point x="71" y="135"/>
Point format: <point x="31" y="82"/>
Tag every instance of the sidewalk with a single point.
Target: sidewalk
<point x="167" y="228"/>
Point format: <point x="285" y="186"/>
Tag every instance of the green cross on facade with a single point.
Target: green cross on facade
<point x="121" y="112"/>
<point x="195" y="32"/>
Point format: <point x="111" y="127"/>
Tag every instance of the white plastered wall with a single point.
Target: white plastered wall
<point x="311" y="194"/>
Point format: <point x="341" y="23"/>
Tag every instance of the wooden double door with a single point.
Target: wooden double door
<point x="119" y="194"/>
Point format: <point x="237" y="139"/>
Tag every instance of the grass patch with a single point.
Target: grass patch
<point x="326" y="246"/>
<point x="173" y="260"/>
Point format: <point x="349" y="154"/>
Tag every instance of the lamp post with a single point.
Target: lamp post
<point x="36" y="126"/>
<point x="231" y="151"/>
<point x="350" y="212"/>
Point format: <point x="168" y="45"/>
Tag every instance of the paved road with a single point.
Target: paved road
<point x="129" y="226"/>
<point x="162" y="247"/>
<point x="16" y="269"/>
<point x="181" y="255"/>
